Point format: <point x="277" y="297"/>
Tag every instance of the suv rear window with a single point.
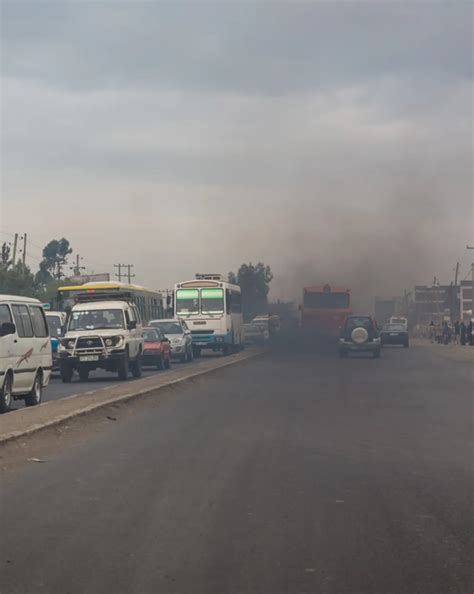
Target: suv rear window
<point x="359" y="322"/>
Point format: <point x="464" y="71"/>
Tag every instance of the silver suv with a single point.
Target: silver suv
<point x="179" y="335"/>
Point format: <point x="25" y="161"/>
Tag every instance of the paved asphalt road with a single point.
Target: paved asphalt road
<point x="288" y="474"/>
<point x="97" y="380"/>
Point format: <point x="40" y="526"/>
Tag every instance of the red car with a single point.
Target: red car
<point x="157" y="351"/>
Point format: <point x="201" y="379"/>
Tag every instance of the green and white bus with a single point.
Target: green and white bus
<point x="212" y="309"/>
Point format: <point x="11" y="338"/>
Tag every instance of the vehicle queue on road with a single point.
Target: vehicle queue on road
<point x="115" y="327"/>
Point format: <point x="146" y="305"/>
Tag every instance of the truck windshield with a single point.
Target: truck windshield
<point x="326" y="300"/>
<point x="187" y="301"/>
<point x="96" y="319"/>
<point x="212" y="301"/>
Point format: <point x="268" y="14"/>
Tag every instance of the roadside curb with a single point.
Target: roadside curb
<point x="108" y="400"/>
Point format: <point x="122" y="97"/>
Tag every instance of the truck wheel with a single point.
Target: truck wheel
<point x="34" y="397"/>
<point x="83" y="374"/>
<point x="6" y="395"/>
<point x="122" y="368"/>
<point x="66" y="374"/>
<point x="136" y="366"/>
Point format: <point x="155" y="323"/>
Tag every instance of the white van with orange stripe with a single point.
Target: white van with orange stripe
<point x="25" y="351"/>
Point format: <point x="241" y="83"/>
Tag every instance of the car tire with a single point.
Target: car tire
<point x="136" y="367"/>
<point x="83" y="374"/>
<point x="66" y="374"/>
<point x="196" y="351"/>
<point x="122" y="368"/>
<point x="33" y="398"/>
<point x="190" y="355"/>
<point x="6" y="394"/>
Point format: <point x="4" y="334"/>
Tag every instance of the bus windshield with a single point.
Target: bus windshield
<point x="212" y="301"/>
<point x="187" y="301"/>
<point x="326" y="300"/>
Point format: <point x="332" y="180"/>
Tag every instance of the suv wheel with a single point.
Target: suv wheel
<point x="136" y="366"/>
<point x="6" y="395"/>
<point x="34" y="397"/>
<point x="122" y="368"/>
<point x="66" y="374"/>
<point x="83" y="374"/>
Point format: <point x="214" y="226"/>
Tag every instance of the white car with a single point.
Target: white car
<point x="179" y="335"/>
<point x="25" y="351"/>
<point x="102" y="335"/>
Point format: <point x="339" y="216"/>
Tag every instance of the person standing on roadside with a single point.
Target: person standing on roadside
<point x="469" y="333"/>
<point x="446" y="333"/>
<point x="432" y="331"/>
<point x="457" y="328"/>
<point x="462" y="331"/>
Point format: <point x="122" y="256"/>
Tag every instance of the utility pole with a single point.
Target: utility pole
<point x="77" y="268"/>
<point x="469" y="247"/>
<point x="129" y="274"/>
<point x="15" y="244"/>
<point x="25" y="235"/>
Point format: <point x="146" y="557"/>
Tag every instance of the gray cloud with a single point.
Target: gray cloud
<point x="329" y="139"/>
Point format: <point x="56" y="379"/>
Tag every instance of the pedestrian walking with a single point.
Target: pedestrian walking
<point x="446" y="333"/>
<point x="457" y="329"/>
<point x="463" y="332"/>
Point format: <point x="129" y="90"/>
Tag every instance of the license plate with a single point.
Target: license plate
<point x="87" y="358"/>
<point x="200" y="343"/>
<point x="393" y="334"/>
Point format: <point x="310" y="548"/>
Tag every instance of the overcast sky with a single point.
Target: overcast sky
<point x="332" y="140"/>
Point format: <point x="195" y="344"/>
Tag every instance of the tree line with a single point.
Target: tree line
<point x="18" y="279"/>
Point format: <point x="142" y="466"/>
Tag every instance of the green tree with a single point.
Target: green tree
<point x="18" y="281"/>
<point x="254" y="281"/>
<point x="54" y="259"/>
<point x="5" y="256"/>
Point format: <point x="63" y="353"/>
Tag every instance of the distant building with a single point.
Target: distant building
<point x="433" y="303"/>
<point x="465" y="300"/>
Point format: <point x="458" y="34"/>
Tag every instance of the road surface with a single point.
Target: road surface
<point x="97" y="380"/>
<point x="295" y="473"/>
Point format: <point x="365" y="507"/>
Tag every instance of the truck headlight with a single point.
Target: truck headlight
<point x="114" y="341"/>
